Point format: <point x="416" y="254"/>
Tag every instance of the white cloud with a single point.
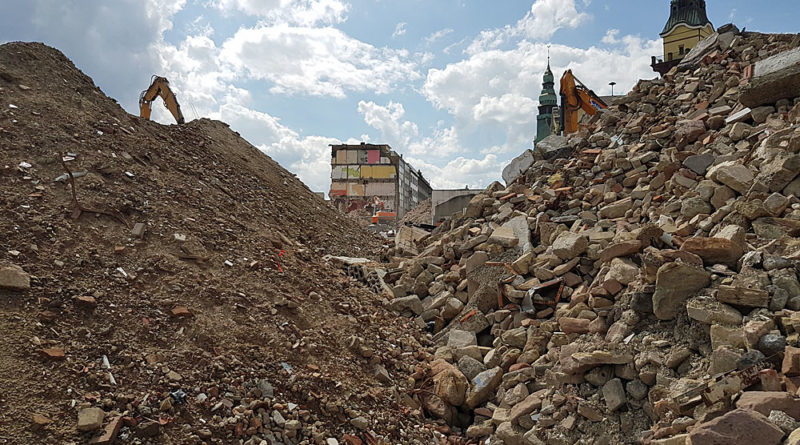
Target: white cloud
<point x="499" y="89"/>
<point x="389" y="121"/>
<point x="399" y="30"/>
<point x="297" y="12"/>
<point x="440" y="34"/>
<point x="316" y="61"/>
<point x="540" y="23"/>
<point x="460" y="172"/>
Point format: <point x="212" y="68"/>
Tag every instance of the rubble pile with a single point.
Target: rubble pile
<point x="166" y="284"/>
<point x="639" y="282"/>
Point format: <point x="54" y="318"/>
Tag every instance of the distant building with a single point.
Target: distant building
<point x="688" y="24"/>
<point x="547" y="120"/>
<point x="367" y="179"/>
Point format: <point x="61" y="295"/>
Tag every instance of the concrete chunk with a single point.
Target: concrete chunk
<point x="774" y="78"/>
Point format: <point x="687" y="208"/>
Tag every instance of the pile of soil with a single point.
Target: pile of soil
<point x="182" y="259"/>
<point x="421" y="214"/>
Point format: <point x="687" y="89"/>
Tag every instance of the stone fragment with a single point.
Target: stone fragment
<point x="614" y="395"/>
<point x="734" y="175"/>
<point x="616" y="209"/>
<point x="766" y="401"/>
<point x="470" y="367"/>
<point x="783" y="421"/>
<point x="553" y="147"/>
<point x="675" y="283"/>
<point x="90" y="419"/>
<point x="623" y="270"/>
<point x="774" y="78"/>
<point x="12" y="277"/>
<point x="110" y="432"/>
<point x="791" y="361"/>
<point x="569" y="245"/>
<point x="510" y="434"/>
<point x="459" y="339"/>
<point x="689" y="130"/>
<point x="740" y="296"/>
<point x="570" y="325"/>
<point x="710" y="311"/>
<point x="780" y="171"/>
<point x="483" y="385"/>
<point x="410" y="303"/>
<point x="741" y="426"/>
<point x="692" y="207"/>
<point x="621" y="249"/>
<point x="699" y="163"/>
<point x="714" y="250"/>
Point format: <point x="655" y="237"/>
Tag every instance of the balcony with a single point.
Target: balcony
<point x="662" y="66"/>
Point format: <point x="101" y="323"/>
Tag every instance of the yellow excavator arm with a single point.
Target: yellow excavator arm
<point x="159" y="87"/>
<point x="575" y="96"/>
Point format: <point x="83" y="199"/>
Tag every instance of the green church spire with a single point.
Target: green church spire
<point x="547" y="102"/>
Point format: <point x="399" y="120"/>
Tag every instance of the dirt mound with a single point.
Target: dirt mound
<point x="421" y="214"/>
<point x="182" y="288"/>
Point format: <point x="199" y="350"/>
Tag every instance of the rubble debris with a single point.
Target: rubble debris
<point x="658" y="297"/>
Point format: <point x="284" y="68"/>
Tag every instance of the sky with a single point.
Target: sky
<point x="452" y="85"/>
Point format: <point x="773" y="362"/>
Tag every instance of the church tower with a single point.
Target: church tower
<point x="687" y="25"/>
<point x="548" y="104"/>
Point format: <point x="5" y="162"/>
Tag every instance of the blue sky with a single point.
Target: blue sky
<point x="452" y="85"/>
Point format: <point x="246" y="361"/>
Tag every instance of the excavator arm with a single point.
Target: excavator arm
<point x="159" y="87"/>
<point x="576" y="96"/>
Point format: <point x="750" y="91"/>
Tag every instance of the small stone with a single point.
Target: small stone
<point x="783" y="421"/>
<point x="90" y="419"/>
<point x="54" y="353"/>
<point x="483" y="386"/>
<point x="675" y="283"/>
<point x="569" y="245"/>
<point x="12" y="277"/>
<point x="360" y="423"/>
<point x="180" y="312"/>
<point x="614" y="395"/>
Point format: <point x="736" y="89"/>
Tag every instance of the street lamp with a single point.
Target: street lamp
<point x="612" y="87"/>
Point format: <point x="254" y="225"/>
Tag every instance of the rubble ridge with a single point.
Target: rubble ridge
<point x="639" y="279"/>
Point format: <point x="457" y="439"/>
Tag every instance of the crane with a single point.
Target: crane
<point x="159" y="86"/>
<point x="575" y="96"/>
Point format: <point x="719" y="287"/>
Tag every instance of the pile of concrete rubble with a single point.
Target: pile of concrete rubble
<point x="638" y="283"/>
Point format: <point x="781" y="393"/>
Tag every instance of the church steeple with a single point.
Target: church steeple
<point x="548" y="101"/>
<point x="687" y="26"/>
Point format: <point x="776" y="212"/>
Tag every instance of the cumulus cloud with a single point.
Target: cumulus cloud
<point x="460" y="172"/>
<point x="500" y="89"/>
<point x="316" y="61"/>
<point x="389" y="121"/>
<point x="540" y="23"/>
<point x="111" y="43"/>
<point x="298" y="12"/>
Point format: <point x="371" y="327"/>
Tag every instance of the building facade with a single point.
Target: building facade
<point x="547" y="120"/>
<point x="687" y="26"/>
<point x="370" y="180"/>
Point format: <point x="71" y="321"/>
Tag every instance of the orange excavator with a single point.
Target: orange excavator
<point x="576" y="97"/>
<point x="159" y="86"/>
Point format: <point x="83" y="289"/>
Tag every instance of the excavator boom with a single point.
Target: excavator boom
<point x="575" y="96"/>
<point x="159" y="87"/>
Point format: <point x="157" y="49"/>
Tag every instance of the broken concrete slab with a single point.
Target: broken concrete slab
<point x="774" y="78"/>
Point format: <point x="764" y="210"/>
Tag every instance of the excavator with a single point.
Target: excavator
<point x="576" y="97"/>
<point x="159" y="86"/>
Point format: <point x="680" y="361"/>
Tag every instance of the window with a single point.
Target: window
<point x="680" y="50"/>
<point x="669" y="57"/>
